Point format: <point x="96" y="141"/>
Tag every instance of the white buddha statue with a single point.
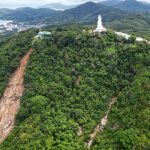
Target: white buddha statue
<point x="100" y="27"/>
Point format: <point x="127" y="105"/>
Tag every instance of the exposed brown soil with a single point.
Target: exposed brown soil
<point x="80" y="131"/>
<point x="101" y="125"/>
<point x="78" y="80"/>
<point x="10" y="101"/>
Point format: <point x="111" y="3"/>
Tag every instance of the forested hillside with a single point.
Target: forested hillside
<point x="70" y="81"/>
<point x="128" y="5"/>
<point x="110" y="2"/>
<point x="11" y="51"/>
<point x="5" y="11"/>
<point x="28" y="14"/>
<point x="133" y="6"/>
<point x="114" y="18"/>
<point x="135" y="22"/>
<point x="6" y="35"/>
<point x="86" y="12"/>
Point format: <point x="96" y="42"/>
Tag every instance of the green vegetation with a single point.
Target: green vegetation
<point x="120" y="20"/>
<point x="135" y="24"/>
<point x="69" y="83"/>
<point x="5" y="11"/>
<point x="27" y="14"/>
<point x="6" y="35"/>
<point x="11" y="51"/>
<point x="133" y="6"/>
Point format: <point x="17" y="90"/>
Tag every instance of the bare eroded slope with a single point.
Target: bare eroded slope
<point x="10" y="101"/>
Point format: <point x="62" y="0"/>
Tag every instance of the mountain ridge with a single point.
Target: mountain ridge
<point x="58" y="6"/>
<point x="133" y="6"/>
<point x="115" y="18"/>
<point x="110" y="2"/>
<point x="29" y="14"/>
<point x="87" y="12"/>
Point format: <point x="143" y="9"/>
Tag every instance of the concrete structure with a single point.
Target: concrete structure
<point x="126" y="36"/>
<point x="139" y="39"/>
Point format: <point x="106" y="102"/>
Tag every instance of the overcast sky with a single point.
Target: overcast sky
<point x="38" y="3"/>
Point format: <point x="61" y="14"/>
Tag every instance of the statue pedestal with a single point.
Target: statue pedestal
<point x="100" y="30"/>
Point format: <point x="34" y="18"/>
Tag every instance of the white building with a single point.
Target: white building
<point x="139" y="39"/>
<point x="126" y="36"/>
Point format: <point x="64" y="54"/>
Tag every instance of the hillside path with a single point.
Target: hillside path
<point x="101" y="125"/>
<point x="10" y="101"/>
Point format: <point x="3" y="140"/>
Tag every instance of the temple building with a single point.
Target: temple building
<point x="100" y="27"/>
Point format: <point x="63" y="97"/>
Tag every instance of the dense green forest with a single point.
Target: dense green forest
<point x="6" y="35"/>
<point x="69" y="83"/>
<point x="11" y="51"/>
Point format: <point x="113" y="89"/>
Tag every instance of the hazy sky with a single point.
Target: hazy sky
<point x="37" y="3"/>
